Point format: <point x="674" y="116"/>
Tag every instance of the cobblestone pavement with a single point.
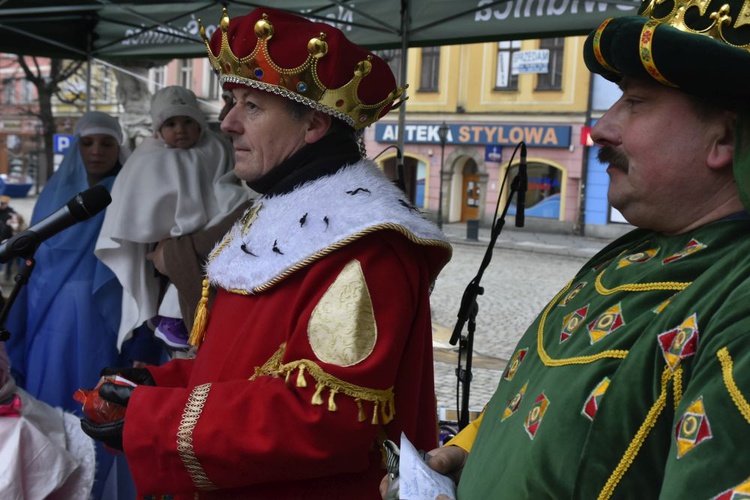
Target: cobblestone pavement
<point x="518" y="283"/>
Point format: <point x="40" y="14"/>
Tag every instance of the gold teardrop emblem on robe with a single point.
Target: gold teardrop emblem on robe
<point x="342" y="329"/>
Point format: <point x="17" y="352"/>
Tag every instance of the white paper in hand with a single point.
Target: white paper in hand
<point x="416" y="480"/>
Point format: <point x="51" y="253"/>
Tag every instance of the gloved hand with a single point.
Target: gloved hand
<point x="116" y="393"/>
<point x="140" y="376"/>
<point x="109" y="433"/>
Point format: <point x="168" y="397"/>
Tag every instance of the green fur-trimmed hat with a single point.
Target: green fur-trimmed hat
<point x="701" y="47"/>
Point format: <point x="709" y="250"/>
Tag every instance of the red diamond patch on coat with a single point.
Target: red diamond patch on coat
<point x="739" y="492"/>
<point x="693" y="428"/>
<point x="534" y="418"/>
<point x="514" y="363"/>
<point x="692" y="247"/>
<point x="609" y="321"/>
<point x="572" y="294"/>
<point x="637" y="258"/>
<point x="592" y="402"/>
<point x="514" y="402"/>
<point x="572" y="321"/>
<point x="680" y="342"/>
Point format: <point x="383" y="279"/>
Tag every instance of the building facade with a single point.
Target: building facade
<point x="20" y="129"/>
<point x="487" y="97"/>
<point x="491" y="97"/>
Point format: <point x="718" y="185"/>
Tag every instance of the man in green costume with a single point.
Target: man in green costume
<point x="634" y="380"/>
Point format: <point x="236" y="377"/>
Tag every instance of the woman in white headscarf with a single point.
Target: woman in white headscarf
<point x="63" y="323"/>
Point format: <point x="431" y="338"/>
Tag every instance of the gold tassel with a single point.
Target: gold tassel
<point x="375" y="414"/>
<point x="361" y="416"/>
<point x="301" y="382"/>
<point x="331" y="403"/>
<point x="387" y="411"/>
<point x="201" y="317"/>
<point x="316" y="399"/>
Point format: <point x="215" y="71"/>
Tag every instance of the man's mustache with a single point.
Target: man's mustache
<point x="613" y="157"/>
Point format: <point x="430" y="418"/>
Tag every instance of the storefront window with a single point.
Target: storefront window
<point x="543" y="196"/>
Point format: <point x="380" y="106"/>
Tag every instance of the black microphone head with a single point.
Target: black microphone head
<point x="87" y="204"/>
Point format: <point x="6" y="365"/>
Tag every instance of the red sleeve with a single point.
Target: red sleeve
<point x="175" y="373"/>
<point x="253" y="415"/>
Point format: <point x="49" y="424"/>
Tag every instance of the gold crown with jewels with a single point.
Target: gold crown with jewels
<point x="718" y="24"/>
<point x="311" y="63"/>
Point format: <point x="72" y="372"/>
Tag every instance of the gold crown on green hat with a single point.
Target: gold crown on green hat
<point x="719" y="20"/>
<point x="301" y="83"/>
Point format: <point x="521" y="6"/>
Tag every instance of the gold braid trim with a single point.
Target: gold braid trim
<point x="615" y="353"/>
<point x="383" y="400"/>
<point x="677" y="380"/>
<point x="726" y="369"/>
<point x="640" y="287"/>
<point x="579" y="360"/>
<point x="190" y="417"/>
<point x="640" y="436"/>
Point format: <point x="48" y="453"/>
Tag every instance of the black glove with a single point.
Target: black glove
<point x="116" y="393"/>
<point x="140" y="376"/>
<point x="109" y="433"/>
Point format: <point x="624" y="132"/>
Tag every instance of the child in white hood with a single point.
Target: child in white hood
<point x="177" y="182"/>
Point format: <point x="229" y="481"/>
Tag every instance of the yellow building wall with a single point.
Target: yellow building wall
<point x="467" y="80"/>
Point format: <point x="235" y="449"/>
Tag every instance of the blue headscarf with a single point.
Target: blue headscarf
<point x="70" y="290"/>
<point x="64" y="322"/>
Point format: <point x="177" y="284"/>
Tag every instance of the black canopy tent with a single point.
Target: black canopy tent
<point x="152" y="29"/>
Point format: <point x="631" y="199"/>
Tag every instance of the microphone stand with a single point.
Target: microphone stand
<point x="21" y="279"/>
<point x="469" y="308"/>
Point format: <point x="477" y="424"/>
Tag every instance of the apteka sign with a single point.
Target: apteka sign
<point x="540" y="136"/>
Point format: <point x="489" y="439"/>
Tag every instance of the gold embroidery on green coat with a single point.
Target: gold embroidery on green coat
<point x="693" y="428"/>
<point x="606" y="323"/>
<point x="679" y="343"/>
<point x="734" y="392"/>
<point x="514" y="402"/>
<point x="639" y="287"/>
<point x="578" y="360"/>
<point x="342" y="329"/>
<point x="637" y="258"/>
<point x="602" y="290"/>
<point x="639" y="438"/>
<point x="692" y="247"/>
<point x="591" y="405"/>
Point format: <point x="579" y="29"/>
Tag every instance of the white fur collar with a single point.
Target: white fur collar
<point x="287" y="232"/>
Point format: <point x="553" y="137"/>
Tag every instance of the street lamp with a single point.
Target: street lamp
<point x="443" y="134"/>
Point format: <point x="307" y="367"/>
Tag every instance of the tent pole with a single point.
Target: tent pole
<point x="88" y="84"/>
<point x="88" y="71"/>
<point x="405" y="20"/>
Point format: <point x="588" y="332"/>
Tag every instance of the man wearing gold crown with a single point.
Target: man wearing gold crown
<point x="634" y="381"/>
<point x="318" y="343"/>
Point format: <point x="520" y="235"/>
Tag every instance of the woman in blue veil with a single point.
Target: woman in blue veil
<point x="63" y="324"/>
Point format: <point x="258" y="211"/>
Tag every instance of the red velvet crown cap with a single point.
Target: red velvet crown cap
<point x="297" y="51"/>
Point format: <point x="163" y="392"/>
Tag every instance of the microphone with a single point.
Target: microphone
<point x="82" y="206"/>
<point x="523" y="184"/>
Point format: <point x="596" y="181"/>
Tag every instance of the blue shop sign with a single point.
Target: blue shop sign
<point x="506" y="134"/>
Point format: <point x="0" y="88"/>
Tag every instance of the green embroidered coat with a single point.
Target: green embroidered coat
<point x="633" y="382"/>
